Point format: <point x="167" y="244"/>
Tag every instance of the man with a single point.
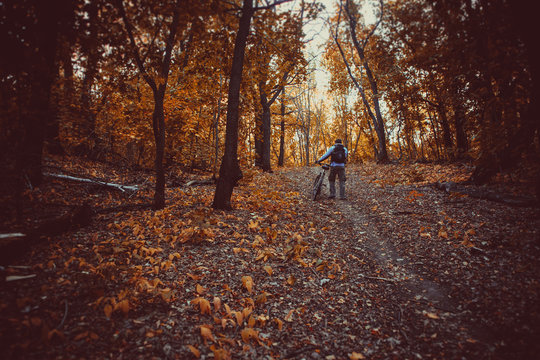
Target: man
<point x="338" y="154"/>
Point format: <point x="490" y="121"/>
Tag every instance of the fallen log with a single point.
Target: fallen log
<point x="451" y="187"/>
<point x="13" y="245"/>
<point x="120" y="187"/>
<point x="210" y="181"/>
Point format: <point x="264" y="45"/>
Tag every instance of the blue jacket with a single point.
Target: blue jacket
<point x="329" y="152"/>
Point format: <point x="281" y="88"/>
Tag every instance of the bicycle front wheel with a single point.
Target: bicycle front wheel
<point x="317" y="186"/>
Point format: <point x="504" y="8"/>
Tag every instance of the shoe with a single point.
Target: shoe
<point x="342" y="198"/>
<point x="331" y="197"/>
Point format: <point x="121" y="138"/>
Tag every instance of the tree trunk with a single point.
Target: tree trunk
<point x="447" y="136"/>
<point x="42" y="67"/>
<point x="266" y="127"/>
<point x="378" y="122"/>
<point x="281" y="157"/>
<point x="229" y="172"/>
<point x="462" y="145"/>
<point x="258" y="140"/>
<point x="158" y="122"/>
<point x="217" y="114"/>
<point x="307" y="130"/>
<point x="158" y="116"/>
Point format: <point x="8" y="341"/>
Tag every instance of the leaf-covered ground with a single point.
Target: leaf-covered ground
<point x="398" y="270"/>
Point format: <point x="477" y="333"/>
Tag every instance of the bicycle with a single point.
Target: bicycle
<point x="317" y="184"/>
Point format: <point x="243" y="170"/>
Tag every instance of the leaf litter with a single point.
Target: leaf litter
<point x="399" y="270"/>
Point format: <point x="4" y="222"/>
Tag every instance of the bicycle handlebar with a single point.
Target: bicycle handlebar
<point x="323" y="165"/>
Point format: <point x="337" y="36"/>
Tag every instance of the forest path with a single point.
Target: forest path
<point x="399" y="270"/>
<point x="404" y="230"/>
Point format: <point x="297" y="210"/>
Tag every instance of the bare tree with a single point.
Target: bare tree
<point x="374" y="110"/>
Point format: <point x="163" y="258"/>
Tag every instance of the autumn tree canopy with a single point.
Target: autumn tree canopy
<point x="147" y="84"/>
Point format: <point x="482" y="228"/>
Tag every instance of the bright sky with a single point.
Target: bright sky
<point x="318" y="32"/>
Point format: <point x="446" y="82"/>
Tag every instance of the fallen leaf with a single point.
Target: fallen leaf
<point x="206" y="333"/>
<point x="204" y="305"/>
<point x="108" y="309"/>
<point x="247" y="281"/>
<point x="217" y="303"/>
<point x="356" y="356"/>
<point x="249" y="334"/>
<point x="123" y="306"/>
<point x="194" y="351"/>
<point x="291" y="280"/>
<point x="239" y="317"/>
<point x="268" y="269"/>
<point x="432" y="315"/>
<point x="200" y="289"/>
<point x="288" y="318"/>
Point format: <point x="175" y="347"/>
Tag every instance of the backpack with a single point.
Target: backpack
<point x="338" y="155"/>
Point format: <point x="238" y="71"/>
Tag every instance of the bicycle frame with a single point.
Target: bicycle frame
<point x="317" y="184"/>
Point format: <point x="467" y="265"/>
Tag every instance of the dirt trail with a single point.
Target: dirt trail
<point x="414" y="272"/>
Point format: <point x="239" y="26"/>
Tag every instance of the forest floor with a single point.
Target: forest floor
<point x="399" y="270"/>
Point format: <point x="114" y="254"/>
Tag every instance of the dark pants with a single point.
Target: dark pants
<point x="340" y="172"/>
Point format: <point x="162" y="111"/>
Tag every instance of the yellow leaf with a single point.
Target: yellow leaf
<point x="123" y="306"/>
<point x="356" y="356"/>
<point x="247" y="281"/>
<point x="246" y="312"/>
<point x="279" y="324"/>
<point x="108" y="309"/>
<point x="432" y="315"/>
<point x="251" y="321"/>
<point x="195" y="277"/>
<point x="291" y="280"/>
<point x="206" y="333"/>
<point x="467" y="243"/>
<point x="200" y="289"/>
<point x="81" y="336"/>
<point x="258" y="241"/>
<point x="253" y="225"/>
<point x="239" y="317"/>
<point x="268" y="269"/>
<point x="470" y="232"/>
<point x="217" y="303"/>
<point x="288" y="318"/>
<point x="204" y="305"/>
<point x="443" y="234"/>
<point x="261" y="298"/>
<point x="166" y="294"/>
<point x="248" y="334"/>
<point x="194" y="351"/>
<point x="220" y="353"/>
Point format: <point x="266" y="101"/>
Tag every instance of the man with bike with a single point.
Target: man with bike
<point x="338" y="154"/>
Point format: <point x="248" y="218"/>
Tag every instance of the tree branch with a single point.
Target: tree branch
<point x="135" y="49"/>
<point x="269" y="6"/>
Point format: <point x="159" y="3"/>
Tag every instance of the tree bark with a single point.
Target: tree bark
<point x="281" y="157"/>
<point x="158" y="116"/>
<point x="42" y="67"/>
<point x="378" y="122"/>
<point x="158" y="122"/>
<point x="229" y="172"/>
